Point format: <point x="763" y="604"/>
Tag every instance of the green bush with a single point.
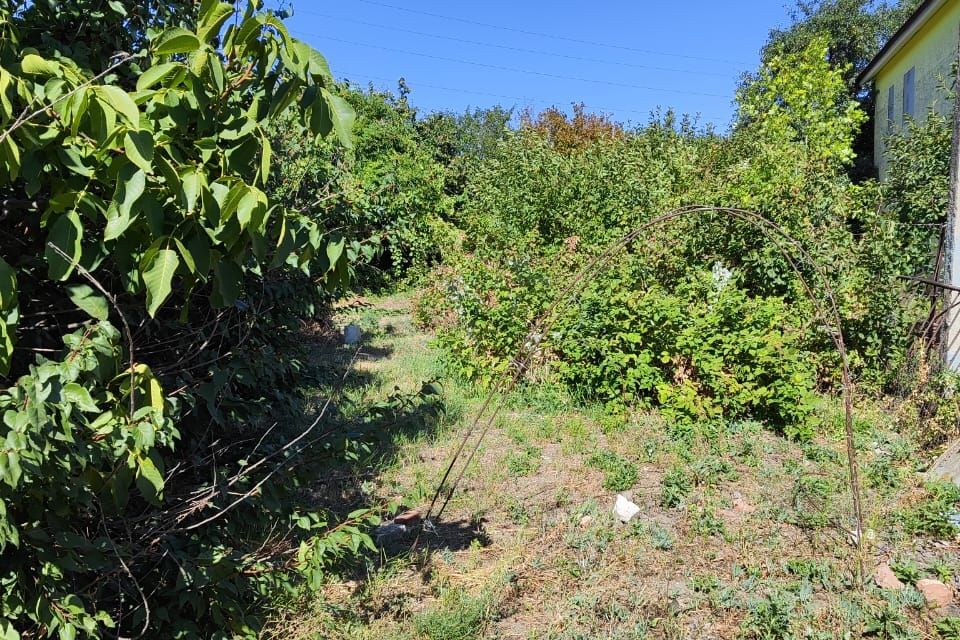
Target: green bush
<point x="147" y="300"/>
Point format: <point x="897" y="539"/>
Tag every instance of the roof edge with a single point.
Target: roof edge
<point x="893" y="46"/>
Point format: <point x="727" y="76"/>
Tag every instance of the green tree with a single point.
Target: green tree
<point x="137" y="264"/>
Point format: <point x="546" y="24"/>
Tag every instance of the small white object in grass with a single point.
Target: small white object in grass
<point x="625" y="509"/>
<point x="351" y="334"/>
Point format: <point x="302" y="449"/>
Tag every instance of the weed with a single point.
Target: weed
<point x="517" y="511"/>
<point x="613" y="423"/>
<point x="811" y="496"/>
<point x="459" y="615"/>
<point x="907" y="570"/>
<point x="710" y="470"/>
<point x="813" y="571"/>
<point x="931" y="516"/>
<point x="948" y="628"/>
<point x="706" y="522"/>
<point x="818" y="453"/>
<point x="943" y="570"/>
<point x="770" y="619"/>
<point x="577" y="438"/>
<point x="705" y="584"/>
<point x="887" y="622"/>
<point x="524" y="461"/>
<point x="619" y="474"/>
<point x="674" y="487"/>
<point x="660" y="538"/>
<point x="882" y="475"/>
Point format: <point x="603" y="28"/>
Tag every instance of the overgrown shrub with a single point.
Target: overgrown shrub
<point x="148" y="287"/>
<point x="653" y="328"/>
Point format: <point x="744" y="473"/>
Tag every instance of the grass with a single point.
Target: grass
<point x="741" y="535"/>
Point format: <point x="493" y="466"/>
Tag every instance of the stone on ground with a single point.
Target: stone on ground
<point x="625" y="509"/>
<point x="886" y="578"/>
<point x="935" y="593"/>
<point x="947" y="466"/>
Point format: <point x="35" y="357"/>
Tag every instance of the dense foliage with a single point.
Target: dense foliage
<point x="705" y="317"/>
<point x="855" y="30"/>
<point x="388" y="190"/>
<point x="145" y="297"/>
<point x="183" y="185"/>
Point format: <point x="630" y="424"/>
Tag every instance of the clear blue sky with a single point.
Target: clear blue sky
<point x="622" y="58"/>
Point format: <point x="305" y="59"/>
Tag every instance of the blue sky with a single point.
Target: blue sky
<point x="621" y="58"/>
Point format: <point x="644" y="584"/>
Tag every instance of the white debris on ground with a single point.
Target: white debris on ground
<point x="625" y="509"/>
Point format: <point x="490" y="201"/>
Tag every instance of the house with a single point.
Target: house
<point x="912" y="74"/>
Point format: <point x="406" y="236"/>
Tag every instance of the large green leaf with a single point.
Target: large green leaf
<point x="138" y="145"/>
<point x="150" y="481"/>
<point x="121" y="102"/>
<point x="227" y="278"/>
<point x="8" y="287"/>
<point x="313" y="62"/>
<point x="88" y="300"/>
<point x="158" y="278"/>
<point x="34" y="65"/>
<point x="156" y="74"/>
<point x="213" y="14"/>
<point x="334" y="249"/>
<point x="131" y="184"/>
<point x="65" y="235"/>
<point x="177" y="40"/>
<point x="342" y="115"/>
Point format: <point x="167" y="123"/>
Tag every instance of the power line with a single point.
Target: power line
<point x="515" y="69"/>
<point x="528" y="99"/>
<point x="518" y="49"/>
<point x="548" y="35"/>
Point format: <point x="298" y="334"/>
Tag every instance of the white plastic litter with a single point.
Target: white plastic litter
<point x="625" y="509"/>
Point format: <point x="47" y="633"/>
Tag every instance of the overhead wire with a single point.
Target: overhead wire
<point x="517" y="49"/>
<point x="516" y="69"/>
<point x="552" y="36"/>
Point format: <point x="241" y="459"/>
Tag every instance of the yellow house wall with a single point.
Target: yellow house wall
<point x="932" y="52"/>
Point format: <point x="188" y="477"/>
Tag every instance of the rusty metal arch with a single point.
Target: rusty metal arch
<point x="826" y="309"/>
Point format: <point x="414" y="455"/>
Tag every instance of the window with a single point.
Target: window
<point x="891" y="107"/>
<point x="909" y="94"/>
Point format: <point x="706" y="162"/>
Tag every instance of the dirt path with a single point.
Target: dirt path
<point x="740" y="536"/>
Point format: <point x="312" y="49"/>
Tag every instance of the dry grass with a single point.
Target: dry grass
<point x="529" y="546"/>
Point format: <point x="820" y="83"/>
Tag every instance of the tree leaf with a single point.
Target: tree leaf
<point x="121" y="102"/>
<point x="131" y="184"/>
<point x="138" y="145"/>
<point x="8" y="287"/>
<point x="88" y="300"/>
<point x="65" y="234"/>
<point x="190" y="188"/>
<point x="313" y="62"/>
<point x="335" y="248"/>
<point x="342" y="115"/>
<point x="213" y="14"/>
<point x="266" y="153"/>
<point x="149" y="480"/>
<point x="34" y="65"/>
<point x="77" y="394"/>
<point x="176" y="40"/>
<point x="186" y="255"/>
<point x="158" y="278"/>
<point x="155" y="74"/>
<point x="226" y="281"/>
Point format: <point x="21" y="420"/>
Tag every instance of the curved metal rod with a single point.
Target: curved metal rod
<point x="773" y="232"/>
